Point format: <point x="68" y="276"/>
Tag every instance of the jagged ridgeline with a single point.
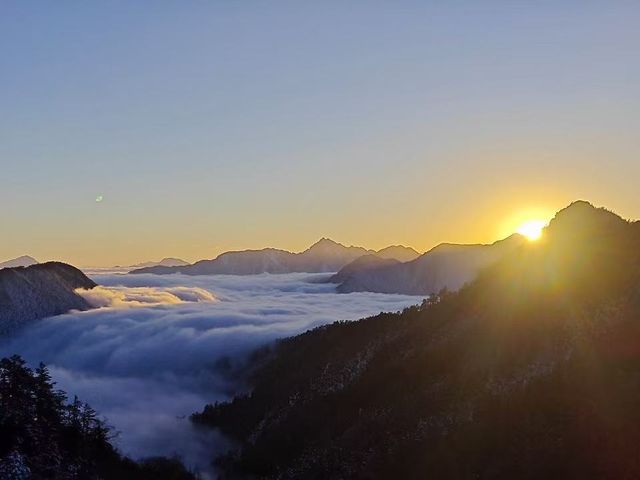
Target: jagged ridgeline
<point x="323" y="256"/>
<point x="42" y="436"/>
<point x="530" y="371"/>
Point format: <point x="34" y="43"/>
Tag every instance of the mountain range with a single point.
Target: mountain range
<point x="528" y="371"/>
<point x="395" y="269"/>
<point x="165" y="262"/>
<point x="38" y="291"/>
<point x="445" y="266"/>
<point x="323" y="256"/>
<point x="23" y="261"/>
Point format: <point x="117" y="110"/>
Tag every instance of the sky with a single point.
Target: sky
<point x="210" y="126"/>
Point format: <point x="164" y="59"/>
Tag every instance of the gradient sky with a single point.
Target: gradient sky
<point x="209" y="126"/>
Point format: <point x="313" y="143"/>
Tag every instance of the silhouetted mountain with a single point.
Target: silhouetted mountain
<point x="326" y="256"/>
<point x="530" y="371"/>
<point x="23" y="261"/>
<point x="248" y="262"/>
<point x="445" y="266"/>
<point x="38" y="291"/>
<point x="44" y="437"/>
<point x="398" y="252"/>
<point x="165" y="262"/>
<point x="323" y="256"/>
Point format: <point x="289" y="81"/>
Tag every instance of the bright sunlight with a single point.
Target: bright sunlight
<point x="532" y="229"/>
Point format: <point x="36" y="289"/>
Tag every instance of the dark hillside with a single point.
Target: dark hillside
<point x="38" y="291"/>
<point x="42" y="436"/>
<point x="530" y="371"/>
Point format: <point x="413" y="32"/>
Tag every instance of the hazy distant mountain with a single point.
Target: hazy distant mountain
<point x="248" y="262"/>
<point x="24" y="261"/>
<point x="446" y="265"/>
<point x="323" y="256"/>
<point x="398" y="252"/>
<point x="165" y="262"/>
<point x="326" y="256"/>
<point x="38" y="291"/>
<point x="395" y="269"/>
<point x="530" y="371"/>
<point x="361" y="264"/>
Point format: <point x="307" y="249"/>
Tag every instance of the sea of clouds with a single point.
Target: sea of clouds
<point x="159" y="348"/>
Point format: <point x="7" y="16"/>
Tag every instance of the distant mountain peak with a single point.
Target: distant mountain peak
<point x="513" y="238"/>
<point x="173" y="261"/>
<point x="326" y="245"/>
<point x="325" y="241"/>
<point x="23" y="261"/>
<point x="398" y="252"/>
<point x="27" y="258"/>
<point x="165" y="262"/>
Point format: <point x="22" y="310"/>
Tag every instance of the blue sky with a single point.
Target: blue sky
<point x="215" y="125"/>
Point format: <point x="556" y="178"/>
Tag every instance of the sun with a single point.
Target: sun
<point x="532" y="229"/>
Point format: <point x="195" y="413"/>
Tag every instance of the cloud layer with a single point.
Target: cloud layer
<point x="164" y="346"/>
<point x="125" y="297"/>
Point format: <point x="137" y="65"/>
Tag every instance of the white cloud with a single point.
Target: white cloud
<point x="146" y="368"/>
<point x="121" y="297"/>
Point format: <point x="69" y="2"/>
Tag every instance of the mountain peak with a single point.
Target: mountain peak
<point x="325" y="241"/>
<point x="165" y="262"/>
<point x="325" y="244"/>
<point x="515" y="238"/>
<point x="581" y="217"/>
<point x="398" y="252"/>
<point x="578" y="207"/>
<point x="23" y="261"/>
